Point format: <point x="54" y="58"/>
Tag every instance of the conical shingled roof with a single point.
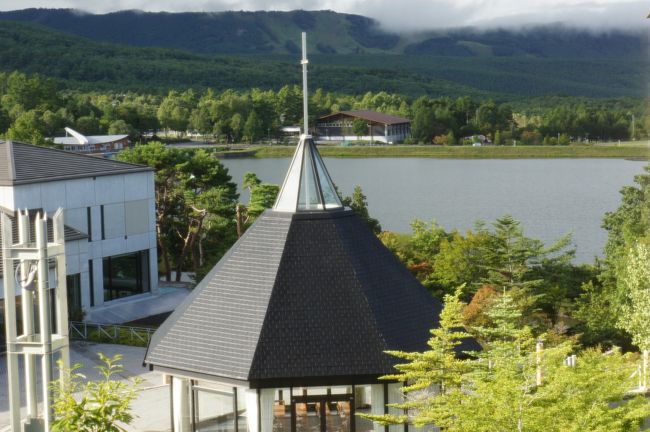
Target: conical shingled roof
<point x="303" y="298"/>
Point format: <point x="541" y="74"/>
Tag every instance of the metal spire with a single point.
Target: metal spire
<point x="305" y="97"/>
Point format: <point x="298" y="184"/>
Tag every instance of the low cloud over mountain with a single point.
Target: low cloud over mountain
<point x="405" y="15"/>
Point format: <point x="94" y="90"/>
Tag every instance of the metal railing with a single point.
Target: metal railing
<point x="112" y="333"/>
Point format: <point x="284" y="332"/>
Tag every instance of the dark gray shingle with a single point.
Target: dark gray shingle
<point x="301" y="298"/>
<point x="215" y="330"/>
<point x="25" y="163"/>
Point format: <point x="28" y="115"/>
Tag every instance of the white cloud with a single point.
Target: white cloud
<point x="407" y="15"/>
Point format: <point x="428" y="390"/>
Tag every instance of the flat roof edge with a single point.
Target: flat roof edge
<point x="78" y="176"/>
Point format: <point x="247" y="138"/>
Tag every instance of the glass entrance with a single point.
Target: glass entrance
<point x="322" y="413"/>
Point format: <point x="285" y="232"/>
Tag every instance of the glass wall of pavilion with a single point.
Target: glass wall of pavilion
<point x="220" y="407"/>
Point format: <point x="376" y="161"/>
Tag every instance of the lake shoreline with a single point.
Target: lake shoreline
<point x="456" y="152"/>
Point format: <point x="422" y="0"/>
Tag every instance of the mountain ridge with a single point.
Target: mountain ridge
<point x="81" y="63"/>
<point x="275" y="32"/>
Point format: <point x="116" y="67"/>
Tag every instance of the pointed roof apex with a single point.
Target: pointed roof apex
<point x="307" y="185"/>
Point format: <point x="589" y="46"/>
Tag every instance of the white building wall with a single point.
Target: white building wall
<point x="127" y="202"/>
<point x="7" y="197"/>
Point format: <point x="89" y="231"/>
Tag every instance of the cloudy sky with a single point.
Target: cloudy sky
<point x="404" y="14"/>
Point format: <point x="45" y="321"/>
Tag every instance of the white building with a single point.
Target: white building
<point x="380" y="127"/>
<point x="77" y="142"/>
<point x="110" y="225"/>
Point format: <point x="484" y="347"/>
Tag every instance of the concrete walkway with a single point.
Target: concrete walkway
<point x="151" y="408"/>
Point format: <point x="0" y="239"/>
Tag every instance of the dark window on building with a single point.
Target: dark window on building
<point x="89" y="219"/>
<point x="102" y="222"/>
<point x="91" y="283"/>
<point x="73" y="286"/>
<point x="126" y="275"/>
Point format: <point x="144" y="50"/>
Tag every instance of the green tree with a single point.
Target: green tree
<point x="120" y="127"/>
<point x="289" y="105"/>
<point x="195" y="205"/>
<point x="602" y="300"/>
<point x="510" y="385"/>
<point x="358" y="202"/>
<point x="236" y="126"/>
<point x="497" y="138"/>
<point x="359" y="127"/>
<point x="80" y="405"/>
<point x="437" y="370"/>
<point x="174" y="111"/>
<point x="261" y="197"/>
<point x="253" y="127"/>
<point x="459" y="260"/>
<point x="28" y="128"/>
<point x="635" y="283"/>
<point x="88" y="124"/>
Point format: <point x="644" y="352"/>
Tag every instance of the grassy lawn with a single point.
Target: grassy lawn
<point x="520" y="152"/>
<point x="638" y="143"/>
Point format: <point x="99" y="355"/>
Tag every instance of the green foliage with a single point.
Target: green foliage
<point x="438" y="366"/>
<point x="359" y="127"/>
<point x="80" y="405"/>
<point x="27" y="128"/>
<point x="31" y="109"/>
<point x="253" y="127"/>
<point x="497" y="389"/>
<point x="358" y="202"/>
<point x="635" y="283"/>
<point x="262" y="196"/>
<point x="604" y="299"/>
<point x="540" y="278"/>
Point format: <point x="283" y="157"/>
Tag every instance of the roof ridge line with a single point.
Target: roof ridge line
<point x="81" y="155"/>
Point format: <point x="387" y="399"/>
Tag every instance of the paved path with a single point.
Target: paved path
<point x="151" y="408"/>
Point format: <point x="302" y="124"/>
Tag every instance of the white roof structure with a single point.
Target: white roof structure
<point x="78" y="139"/>
<point x="307" y="185"/>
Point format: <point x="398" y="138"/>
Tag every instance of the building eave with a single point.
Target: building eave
<point x="74" y="176"/>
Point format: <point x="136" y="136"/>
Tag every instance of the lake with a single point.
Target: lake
<point x="551" y="197"/>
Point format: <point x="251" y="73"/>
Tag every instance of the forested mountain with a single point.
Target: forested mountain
<point x="81" y="63"/>
<point x="329" y="32"/>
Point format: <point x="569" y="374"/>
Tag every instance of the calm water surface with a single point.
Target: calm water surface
<point x="551" y="197"/>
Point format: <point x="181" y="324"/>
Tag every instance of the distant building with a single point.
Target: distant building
<point x="381" y="127"/>
<point x="79" y="143"/>
<point x="109" y="213"/>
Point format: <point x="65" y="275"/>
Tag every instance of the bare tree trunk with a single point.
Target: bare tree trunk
<point x="165" y="257"/>
<point x="238" y="219"/>
<point x="188" y="243"/>
<point x="168" y="266"/>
